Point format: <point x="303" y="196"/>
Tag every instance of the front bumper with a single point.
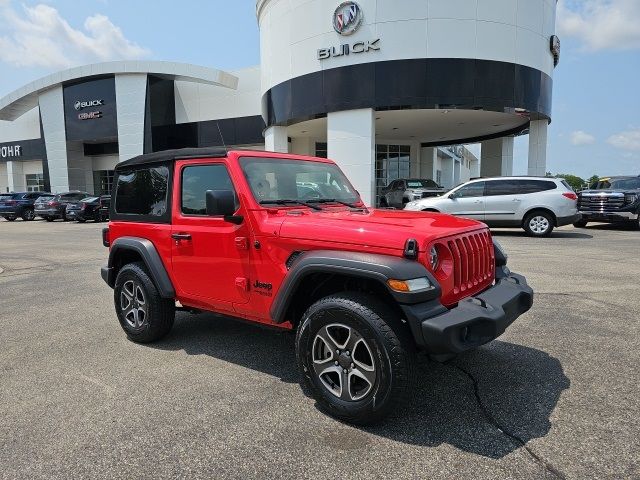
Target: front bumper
<point x="591" y="216"/>
<point x="570" y="220"/>
<point x="475" y="321"/>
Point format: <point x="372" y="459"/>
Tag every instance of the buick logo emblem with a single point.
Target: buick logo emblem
<point x="347" y="18"/>
<point x="91" y="103"/>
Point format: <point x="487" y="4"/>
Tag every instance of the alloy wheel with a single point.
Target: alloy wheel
<point x="133" y="304"/>
<point x="539" y="224"/>
<point x="343" y="362"/>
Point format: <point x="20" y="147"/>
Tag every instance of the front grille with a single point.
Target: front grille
<point x="473" y="260"/>
<point x="472" y="266"/>
<point x="600" y="203"/>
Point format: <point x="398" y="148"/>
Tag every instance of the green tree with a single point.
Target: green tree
<point x="575" y="182"/>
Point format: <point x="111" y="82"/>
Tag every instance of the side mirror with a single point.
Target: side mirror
<point x="453" y="196"/>
<point x="223" y="203"/>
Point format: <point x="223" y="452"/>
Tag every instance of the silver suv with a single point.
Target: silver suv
<point x="536" y="204"/>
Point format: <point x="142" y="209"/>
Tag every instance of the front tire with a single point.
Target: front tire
<point x="539" y="224"/>
<point x="355" y="357"/>
<point x="143" y="314"/>
<point x="48" y="219"/>
<point x="580" y="224"/>
<point x="28" y="215"/>
<point x="10" y="219"/>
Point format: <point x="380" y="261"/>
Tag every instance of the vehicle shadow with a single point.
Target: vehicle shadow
<point x="555" y="234"/>
<point x="517" y="387"/>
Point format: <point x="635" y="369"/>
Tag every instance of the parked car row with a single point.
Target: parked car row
<point x="535" y="204"/>
<point x="80" y="206"/>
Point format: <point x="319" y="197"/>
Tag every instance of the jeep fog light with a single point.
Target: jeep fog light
<point x="409" y="286"/>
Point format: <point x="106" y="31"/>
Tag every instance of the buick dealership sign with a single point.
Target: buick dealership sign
<point x="347" y="18"/>
<point x="91" y="103"/>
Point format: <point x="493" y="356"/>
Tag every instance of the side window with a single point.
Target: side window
<point x="503" y="187"/>
<point x="535" y="186"/>
<point x="142" y="191"/>
<point x="196" y="180"/>
<point x="471" y="190"/>
<point x="393" y="185"/>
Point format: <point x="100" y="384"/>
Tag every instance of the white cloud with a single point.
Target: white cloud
<point x="601" y="24"/>
<point x="627" y="140"/>
<point x="39" y="36"/>
<point x="582" y="138"/>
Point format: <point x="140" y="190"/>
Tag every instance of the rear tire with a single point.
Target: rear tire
<point x="382" y="376"/>
<point x="28" y="215"/>
<point x="48" y="219"/>
<point x="636" y="223"/>
<point x="580" y="224"/>
<point x="10" y="219"/>
<point x="80" y="220"/>
<point x="143" y="314"/>
<point x="539" y="224"/>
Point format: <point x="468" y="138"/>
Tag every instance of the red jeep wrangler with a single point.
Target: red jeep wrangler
<point x="285" y="241"/>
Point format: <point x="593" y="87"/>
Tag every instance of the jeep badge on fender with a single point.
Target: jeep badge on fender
<point x="328" y="267"/>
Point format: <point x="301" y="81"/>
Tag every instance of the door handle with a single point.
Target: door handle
<point x="181" y="236"/>
<point x="516" y="200"/>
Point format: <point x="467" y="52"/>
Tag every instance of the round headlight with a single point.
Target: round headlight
<point x="433" y="258"/>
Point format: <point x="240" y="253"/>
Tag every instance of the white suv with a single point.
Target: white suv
<point x="536" y="204"/>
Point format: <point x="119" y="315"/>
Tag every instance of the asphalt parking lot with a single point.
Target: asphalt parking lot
<point x="556" y="397"/>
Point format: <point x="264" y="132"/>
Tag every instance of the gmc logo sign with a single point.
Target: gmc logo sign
<point x="89" y="115"/>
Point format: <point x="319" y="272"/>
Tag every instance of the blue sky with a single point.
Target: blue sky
<point x="596" y="113"/>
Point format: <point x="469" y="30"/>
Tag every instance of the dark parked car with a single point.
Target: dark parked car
<point x="611" y="200"/>
<point x="90" y="208"/>
<point x="14" y="205"/>
<point x="400" y="192"/>
<point x="56" y="207"/>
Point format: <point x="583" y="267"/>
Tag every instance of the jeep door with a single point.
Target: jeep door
<point x="209" y="255"/>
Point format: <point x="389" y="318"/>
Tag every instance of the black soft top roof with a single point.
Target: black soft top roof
<point x="171" y="155"/>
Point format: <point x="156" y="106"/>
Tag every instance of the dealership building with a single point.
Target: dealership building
<point x="386" y="89"/>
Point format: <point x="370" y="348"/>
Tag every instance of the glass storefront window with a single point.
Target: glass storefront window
<point x="35" y="182"/>
<point x="392" y="163"/>
<point x="102" y="182"/>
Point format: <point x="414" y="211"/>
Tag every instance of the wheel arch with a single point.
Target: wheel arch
<point x="126" y="250"/>
<point x="317" y="274"/>
<point x="540" y="209"/>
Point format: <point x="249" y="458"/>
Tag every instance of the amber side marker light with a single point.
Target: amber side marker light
<point x="409" y="286"/>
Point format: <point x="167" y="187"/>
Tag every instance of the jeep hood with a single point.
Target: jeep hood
<point x="376" y="228"/>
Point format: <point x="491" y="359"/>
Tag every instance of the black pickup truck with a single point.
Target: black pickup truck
<point x="610" y="200"/>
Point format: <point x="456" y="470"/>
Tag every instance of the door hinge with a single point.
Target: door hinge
<point x="242" y="243"/>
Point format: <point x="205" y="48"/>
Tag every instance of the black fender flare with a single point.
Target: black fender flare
<point x="149" y="255"/>
<point x="380" y="268"/>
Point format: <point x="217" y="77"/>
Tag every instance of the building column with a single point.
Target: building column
<point x="448" y="171"/>
<point x="276" y="140"/>
<point x="351" y="144"/>
<point x="55" y="137"/>
<point x="497" y="157"/>
<point x="15" y="177"/>
<point x="475" y="168"/>
<point x="131" y="96"/>
<point x="428" y="162"/>
<point x="538" y="148"/>
<point x="303" y="146"/>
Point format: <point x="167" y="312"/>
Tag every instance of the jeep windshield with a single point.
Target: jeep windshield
<point x="632" y="183"/>
<point x="297" y="182"/>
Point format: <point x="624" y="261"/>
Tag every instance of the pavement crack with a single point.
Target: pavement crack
<point x="546" y="466"/>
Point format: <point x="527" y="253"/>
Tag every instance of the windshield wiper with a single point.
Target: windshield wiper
<point x="333" y="200"/>
<point x="290" y="202"/>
